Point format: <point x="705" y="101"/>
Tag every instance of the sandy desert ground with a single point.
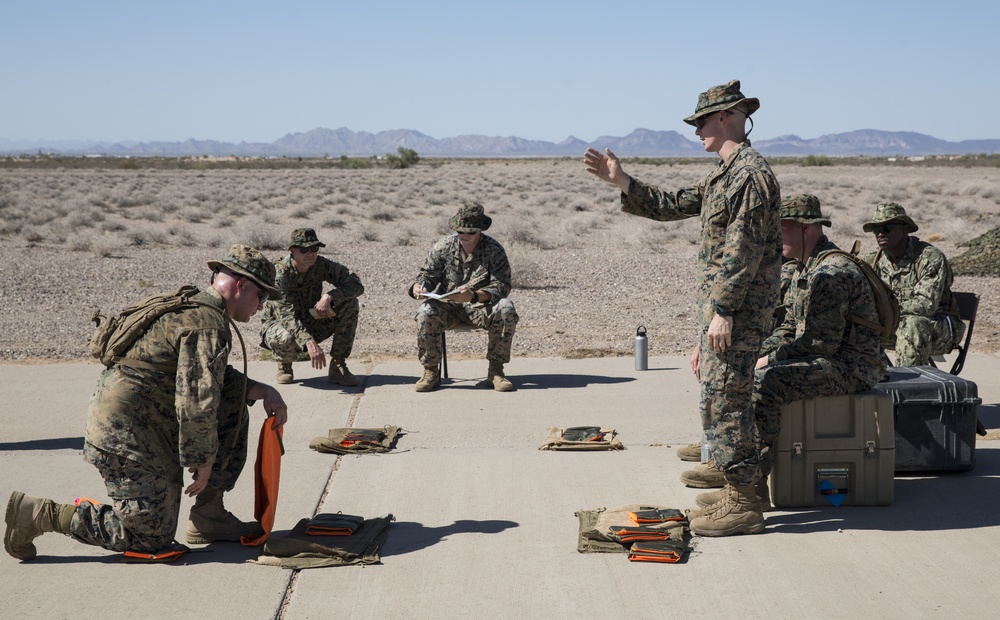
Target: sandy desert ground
<point x="585" y="274"/>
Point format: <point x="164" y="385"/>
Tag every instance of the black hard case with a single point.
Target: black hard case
<point x="935" y="418"/>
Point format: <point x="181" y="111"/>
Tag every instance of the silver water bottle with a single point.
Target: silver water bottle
<point x="641" y="349"/>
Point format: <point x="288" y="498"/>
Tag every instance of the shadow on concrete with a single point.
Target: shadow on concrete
<point x="380" y="380"/>
<point x="408" y="536"/>
<point x="989" y="415"/>
<point x="544" y="382"/>
<point x="58" y="443"/>
<point x="320" y="383"/>
<point x="951" y="501"/>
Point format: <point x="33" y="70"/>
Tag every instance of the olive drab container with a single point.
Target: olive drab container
<point x="641" y="349"/>
<point x="835" y="450"/>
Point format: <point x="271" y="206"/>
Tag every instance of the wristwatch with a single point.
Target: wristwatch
<point x="475" y="297"/>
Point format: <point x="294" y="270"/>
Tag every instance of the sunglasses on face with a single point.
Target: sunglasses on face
<point x="884" y="229"/>
<point x="311" y="250"/>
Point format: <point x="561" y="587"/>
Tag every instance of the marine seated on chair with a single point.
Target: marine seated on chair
<point x="919" y="275"/>
<point x="305" y="316"/>
<point x="146" y="425"/>
<point x="473" y="267"/>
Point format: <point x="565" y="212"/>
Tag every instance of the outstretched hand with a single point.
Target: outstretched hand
<point x="606" y="167"/>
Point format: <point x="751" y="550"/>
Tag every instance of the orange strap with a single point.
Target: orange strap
<point x="671" y="558"/>
<point x="168" y="556"/>
<point x="266" y="477"/>
<point x="653" y="517"/>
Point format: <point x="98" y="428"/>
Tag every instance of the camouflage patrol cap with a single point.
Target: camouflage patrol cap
<point x="470" y="219"/>
<point x="719" y="98"/>
<point x="803" y="208"/>
<point x="886" y="212"/>
<point x="250" y="263"/>
<point x="305" y="238"/>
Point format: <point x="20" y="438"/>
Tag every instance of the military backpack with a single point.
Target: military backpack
<point x="885" y="300"/>
<point x="115" y="335"/>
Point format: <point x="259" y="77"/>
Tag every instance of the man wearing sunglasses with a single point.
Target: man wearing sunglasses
<point x="170" y="403"/>
<point x="306" y="315"/>
<point x="919" y="274"/>
<point x="738" y="263"/>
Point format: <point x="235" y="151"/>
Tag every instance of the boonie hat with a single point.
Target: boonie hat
<point x="250" y="263"/>
<point x="802" y="208"/>
<point x="305" y="238"/>
<point x="470" y="219"/>
<point x="886" y="212"/>
<point x="719" y="98"/>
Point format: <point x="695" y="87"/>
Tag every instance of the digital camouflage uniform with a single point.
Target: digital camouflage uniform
<point x="788" y="269"/>
<point x="929" y="320"/>
<point x="738" y="263"/>
<point x="817" y="350"/>
<point x="486" y="270"/>
<point x="144" y="427"/>
<point x="287" y="325"/>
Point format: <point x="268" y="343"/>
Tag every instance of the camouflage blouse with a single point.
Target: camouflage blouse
<point x="817" y="305"/>
<point x="165" y="421"/>
<point x="921" y="280"/>
<point x="302" y="291"/>
<point x="446" y="268"/>
<point x="739" y="259"/>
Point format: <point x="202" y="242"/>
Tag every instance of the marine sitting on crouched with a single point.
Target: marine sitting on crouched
<point x="146" y="425"/>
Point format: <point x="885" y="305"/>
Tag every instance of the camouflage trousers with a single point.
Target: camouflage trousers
<point x="434" y="317"/>
<point x="780" y="383"/>
<point x="145" y="503"/>
<point x="919" y="337"/>
<point x="277" y="337"/>
<point x="726" y="385"/>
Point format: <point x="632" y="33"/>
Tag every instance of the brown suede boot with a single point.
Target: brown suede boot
<point x="737" y="513"/>
<point x="28" y="518"/>
<point x="210" y="521"/>
<point x="711" y="498"/>
<point x="704" y="476"/>
<point x="430" y="380"/>
<point x="690" y="453"/>
<point x="285" y="373"/>
<point x="340" y="375"/>
<point x="496" y="378"/>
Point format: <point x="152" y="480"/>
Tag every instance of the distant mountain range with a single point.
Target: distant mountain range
<point x="322" y="142"/>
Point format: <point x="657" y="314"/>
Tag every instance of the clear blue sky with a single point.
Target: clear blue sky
<point x="542" y="69"/>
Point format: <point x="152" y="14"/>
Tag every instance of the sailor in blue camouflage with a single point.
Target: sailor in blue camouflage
<point x="739" y="260"/>
<point x="476" y="265"/>
<point x="818" y="350"/>
<point x="144" y="427"/>
<point x="920" y="276"/>
<point x="289" y="328"/>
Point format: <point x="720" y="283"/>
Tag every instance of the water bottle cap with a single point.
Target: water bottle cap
<point x="641" y="330"/>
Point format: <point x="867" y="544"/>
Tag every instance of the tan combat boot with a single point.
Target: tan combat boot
<point x="690" y="453"/>
<point x="704" y="476"/>
<point x="210" y="521"/>
<point x="340" y="375"/>
<point x="496" y="378"/>
<point x="738" y="513"/>
<point x="711" y="498"/>
<point x="28" y="518"/>
<point x="430" y="380"/>
<point x="285" y="372"/>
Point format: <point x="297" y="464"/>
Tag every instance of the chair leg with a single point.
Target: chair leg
<point x="444" y="357"/>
